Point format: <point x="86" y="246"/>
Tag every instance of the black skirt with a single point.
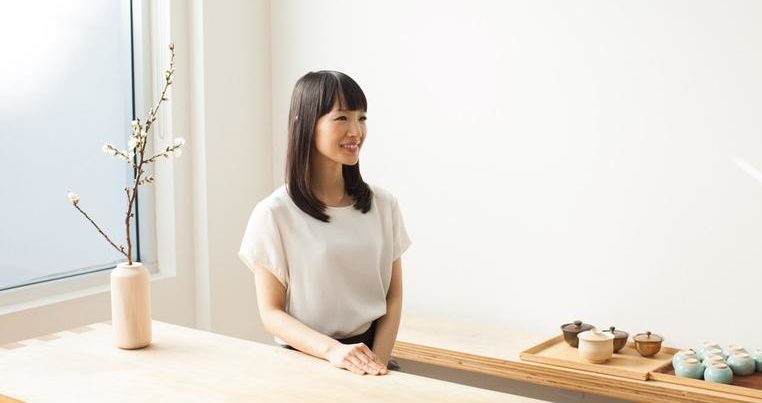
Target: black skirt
<point x="367" y="338"/>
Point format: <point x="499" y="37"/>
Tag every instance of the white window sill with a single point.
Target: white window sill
<point x="54" y="292"/>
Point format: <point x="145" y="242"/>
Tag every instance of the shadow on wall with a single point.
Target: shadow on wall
<point x="483" y="381"/>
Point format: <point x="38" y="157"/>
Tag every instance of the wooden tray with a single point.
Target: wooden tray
<point x="750" y="386"/>
<point x="627" y="363"/>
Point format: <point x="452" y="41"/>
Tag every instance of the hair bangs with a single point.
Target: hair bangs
<point x="342" y="88"/>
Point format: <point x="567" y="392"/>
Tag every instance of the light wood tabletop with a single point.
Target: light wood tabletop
<point x="495" y="351"/>
<point x="184" y="364"/>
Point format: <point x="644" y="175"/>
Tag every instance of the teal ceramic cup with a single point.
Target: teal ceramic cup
<point x="734" y="348"/>
<point x="682" y="355"/>
<point x="690" y="368"/>
<point x="712" y="351"/>
<point x="758" y="359"/>
<point x="705" y="346"/>
<point x="713" y="358"/>
<point x="742" y="364"/>
<point x="718" y="373"/>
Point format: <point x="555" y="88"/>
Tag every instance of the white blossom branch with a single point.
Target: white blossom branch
<point x="137" y="145"/>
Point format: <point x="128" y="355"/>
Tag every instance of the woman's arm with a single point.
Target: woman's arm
<point x="271" y="299"/>
<point x="388" y="325"/>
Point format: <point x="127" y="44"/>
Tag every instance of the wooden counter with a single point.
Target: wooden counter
<point x="494" y="351"/>
<point x="189" y="365"/>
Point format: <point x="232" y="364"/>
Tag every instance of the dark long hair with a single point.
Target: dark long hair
<point x="314" y="95"/>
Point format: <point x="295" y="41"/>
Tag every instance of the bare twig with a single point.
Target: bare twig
<point x="119" y="249"/>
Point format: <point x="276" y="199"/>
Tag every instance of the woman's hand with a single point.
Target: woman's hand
<point x="357" y="358"/>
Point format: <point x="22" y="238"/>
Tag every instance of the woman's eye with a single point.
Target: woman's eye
<point x="362" y="118"/>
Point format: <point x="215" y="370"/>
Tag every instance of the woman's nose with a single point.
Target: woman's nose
<point x="355" y="128"/>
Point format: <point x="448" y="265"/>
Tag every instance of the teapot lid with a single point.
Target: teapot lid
<point x="617" y="333"/>
<point x="648" y="337"/>
<point x="576" y="327"/>
<point x="595" y="335"/>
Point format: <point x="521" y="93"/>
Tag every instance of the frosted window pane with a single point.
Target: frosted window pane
<point x="65" y="90"/>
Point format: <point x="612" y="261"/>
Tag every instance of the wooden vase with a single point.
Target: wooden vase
<point x="131" y="306"/>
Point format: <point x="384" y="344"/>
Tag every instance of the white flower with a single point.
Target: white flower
<point x="178" y="152"/>
<point x="132" y="143"/>
<point x="109" y="149"/>
<point x="179" y="141"/>
<point x="135" y="124"/>
<point x="73" y="198"/>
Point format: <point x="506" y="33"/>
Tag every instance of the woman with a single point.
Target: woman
<point x="325" y="247"/>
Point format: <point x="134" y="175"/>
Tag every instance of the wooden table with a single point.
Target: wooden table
<point x="493" y="351"/>
<point x="189" y="365"/>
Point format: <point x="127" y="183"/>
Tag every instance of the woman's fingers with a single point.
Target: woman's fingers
<point x="361" y="361"/>
<point x="353" y="368"/>
<point x="371" y="360"/>
<point x="372" y="356"/>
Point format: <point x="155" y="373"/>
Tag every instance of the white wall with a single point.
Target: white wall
<point x="557" y="160"/>
<point x="232" y="166"/>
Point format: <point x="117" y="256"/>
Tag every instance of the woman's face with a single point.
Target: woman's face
<point x="339" y="135"/>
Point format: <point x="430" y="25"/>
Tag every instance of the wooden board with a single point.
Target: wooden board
<point x="627" y="363"/>
<point x="750" y="386"/>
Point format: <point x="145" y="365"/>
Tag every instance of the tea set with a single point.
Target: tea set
<point x="709" y="362"/>
<point x="599" y="346"/>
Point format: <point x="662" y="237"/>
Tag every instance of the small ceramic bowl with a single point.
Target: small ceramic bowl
<point x="758" y="359"/>
<point x="707" y="345"/>
<point x="596" y="346"/>
<point x="682" y="355"/>
<point x="620" y="338"/>
<point x="571" y="330"/>
<point x="690" y="368"/>
<point x="718" y="373"/>
<point x="712" y="351"/>
<point x="648" y="344"/>
<point x="713" y="359"/>
<point x="734" y="348"/>
<point x="742" y="364"/>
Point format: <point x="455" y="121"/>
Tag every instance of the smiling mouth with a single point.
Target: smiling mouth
<point x="351" y="147"/>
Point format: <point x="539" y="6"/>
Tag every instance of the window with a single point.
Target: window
<point x="66" y="85"/>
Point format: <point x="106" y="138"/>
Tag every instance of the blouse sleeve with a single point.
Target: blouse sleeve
<point x="262" y="244"/>
<point x="401" y="239"/>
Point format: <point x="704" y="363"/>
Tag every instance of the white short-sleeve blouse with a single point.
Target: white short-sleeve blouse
<point x="336" y="274"/>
